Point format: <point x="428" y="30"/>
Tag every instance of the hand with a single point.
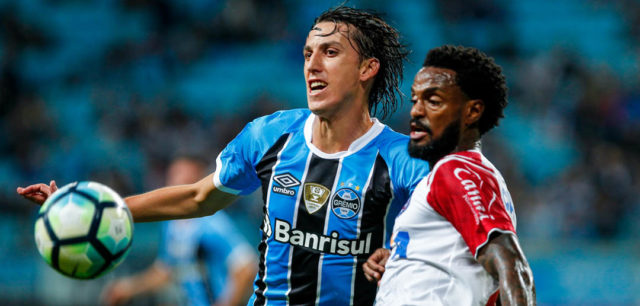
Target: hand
<point x="117" y="293"/>
<point x="374" y="267"/>
<point x="38" y="193"/>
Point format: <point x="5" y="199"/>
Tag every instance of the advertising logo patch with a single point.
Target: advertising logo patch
<point x="315" y="195"/>
<point x="286" y="182"/>
<point x="345" y="203"/>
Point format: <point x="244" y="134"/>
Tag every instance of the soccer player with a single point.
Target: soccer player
<point x="333" y="178"/>
<point x="211" y="261"/>
<point x="454" y="243"/>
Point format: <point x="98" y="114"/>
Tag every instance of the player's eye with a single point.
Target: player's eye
<point x="307" y="55"/>
<point x="332" y="52"/>
<point x="434" y="102"/>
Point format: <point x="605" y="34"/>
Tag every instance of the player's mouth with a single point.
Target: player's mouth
<point x="316" y="86"/>
<point x="419" y="130"/>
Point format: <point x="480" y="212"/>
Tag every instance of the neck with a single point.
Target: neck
<point x="469" y="140"/>
<point x="337" y="133"/>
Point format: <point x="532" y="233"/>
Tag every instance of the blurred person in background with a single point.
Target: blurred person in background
<point x="333" y="178"/>
<point x="211" y="261"/>
<point x="454" y="242"/>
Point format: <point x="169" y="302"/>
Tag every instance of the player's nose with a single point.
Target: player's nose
<point x="417" y="110"/>
<point x="313" y="63"/>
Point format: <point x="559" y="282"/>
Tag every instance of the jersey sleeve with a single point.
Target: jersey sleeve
<point x="406" y="171"/>
<point x="469" y="198"/>
<point x="235" y="166"/>
<point x="235" y="172"/>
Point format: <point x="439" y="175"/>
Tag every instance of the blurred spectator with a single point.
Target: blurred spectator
<point x="212" y="263"/>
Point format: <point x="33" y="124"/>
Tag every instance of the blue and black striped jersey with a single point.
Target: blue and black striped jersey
<point x="324" y="213"/>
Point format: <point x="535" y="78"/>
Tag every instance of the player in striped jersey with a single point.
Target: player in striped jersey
<point x="454" y="243"/>
<point x="333" y="178"/>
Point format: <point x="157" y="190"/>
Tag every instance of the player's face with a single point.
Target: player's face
<point x="331" y="67"/>
<point x="436" y="113"/>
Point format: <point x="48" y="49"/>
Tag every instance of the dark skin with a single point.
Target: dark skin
<point x="439" y="102"/>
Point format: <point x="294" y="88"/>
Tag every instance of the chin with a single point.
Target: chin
<point x="319" y="107"/>
<point x="437" y="148"/>
<point x="423" y="151"/>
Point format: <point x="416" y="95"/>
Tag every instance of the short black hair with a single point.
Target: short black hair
<point x="374" y="38"/>
<point x="478" y="76"/>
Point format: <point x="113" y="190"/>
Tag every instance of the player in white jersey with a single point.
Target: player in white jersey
<point x="454" y="243"/>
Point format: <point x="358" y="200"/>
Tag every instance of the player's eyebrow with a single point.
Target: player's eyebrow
<point x="324" y="45"/>
<point x="426" y="91"/>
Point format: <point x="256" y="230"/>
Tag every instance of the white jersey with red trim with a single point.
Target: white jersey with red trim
<point x="437" y="235"/>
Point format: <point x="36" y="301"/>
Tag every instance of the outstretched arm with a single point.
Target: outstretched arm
<point x="505" y="261"/>
<point x="178" y="202"/>
<point x="175" y="202"/>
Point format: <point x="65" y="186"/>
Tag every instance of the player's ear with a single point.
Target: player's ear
<point x="369" y="68"/>
<point x="473" y="111"/>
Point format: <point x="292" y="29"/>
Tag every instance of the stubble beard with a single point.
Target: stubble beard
<point x="437" y="148"/>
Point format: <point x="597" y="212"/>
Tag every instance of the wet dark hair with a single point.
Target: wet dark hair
<point x="478" y="76"/>
<point x="374" y="38"/>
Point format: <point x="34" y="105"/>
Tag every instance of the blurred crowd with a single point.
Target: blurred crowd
<point x="111" y="90"/>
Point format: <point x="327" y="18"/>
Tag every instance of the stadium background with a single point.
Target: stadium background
<point x="109" y="90"/>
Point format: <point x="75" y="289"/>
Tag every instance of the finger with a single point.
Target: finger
<point x="369" y="273"/>
<point x="372" y="277"/>
<point x="38" y="199"/>
<point x="31" y="195"/>
<point x="53" y="186"/>
<point x="25" y="190"/>
<point x="374" y="265"/>
<point x="369" y="278"/>
<point x="34" y="188"/>
<point x="383" y="262"/>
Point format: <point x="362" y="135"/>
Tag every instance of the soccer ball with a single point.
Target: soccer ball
<point x="84" y="230"/>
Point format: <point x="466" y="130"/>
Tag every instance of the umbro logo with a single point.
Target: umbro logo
<point x="286" y="182"/>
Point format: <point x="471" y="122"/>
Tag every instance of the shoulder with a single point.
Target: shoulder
<point x="461" y="163"/>
<point x="281" y="121"/>
<point x="263" y="132"/>
<point x="394" y="149"/>
<point x="463" y="170"/>
<point x="393" y="144"/>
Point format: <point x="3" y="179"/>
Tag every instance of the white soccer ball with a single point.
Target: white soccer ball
<point x="84" y="230"/>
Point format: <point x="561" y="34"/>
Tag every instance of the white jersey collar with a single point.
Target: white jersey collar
<point x="355" y="146"/>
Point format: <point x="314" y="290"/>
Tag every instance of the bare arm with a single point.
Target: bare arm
<point x="175" y="202"/>
<point x="505" y="261"/>
<point x="179" y="202"/>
